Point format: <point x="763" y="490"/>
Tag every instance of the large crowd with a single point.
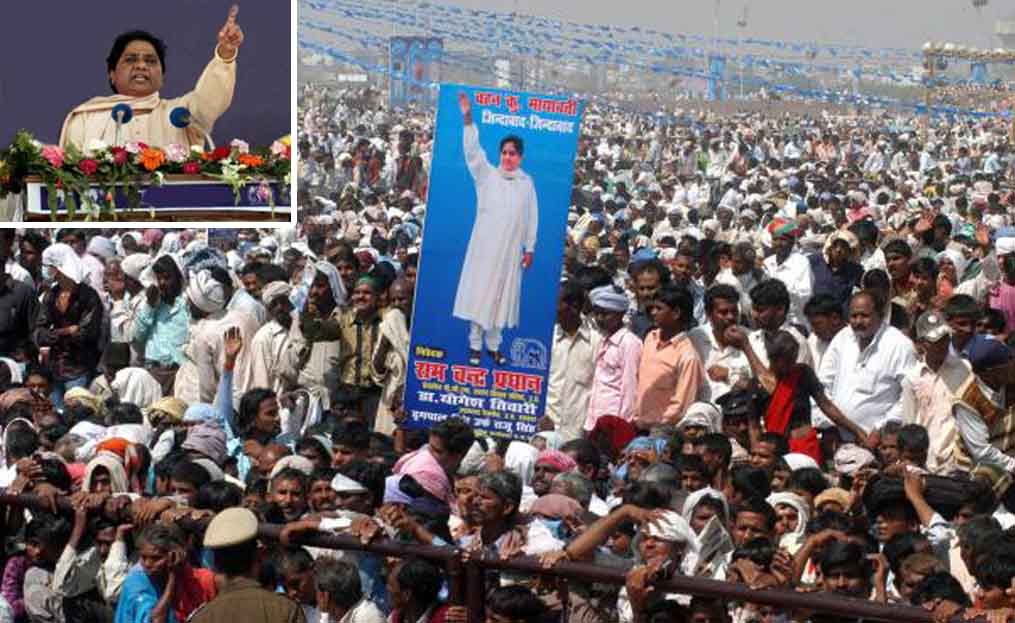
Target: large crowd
<point x="781" y="358"/>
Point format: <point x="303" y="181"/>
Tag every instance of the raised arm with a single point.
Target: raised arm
<point x="213" y="93"/>
<point x="475" y="158"/>
<point x="232" y="342"/>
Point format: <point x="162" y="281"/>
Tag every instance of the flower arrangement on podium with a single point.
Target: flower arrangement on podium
<point x="88" y="179"/>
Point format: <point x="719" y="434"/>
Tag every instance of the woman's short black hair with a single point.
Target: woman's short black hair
<point x="421" y="579"/>
<point x="218" y="495"/>
<point x="250" y="403"/>
<point x="770" y="293"/>
<point x="167" y="266"/>
<point x="514" y="140"/>
<point x="516" y="602"/>
<point x="120" y="44"/>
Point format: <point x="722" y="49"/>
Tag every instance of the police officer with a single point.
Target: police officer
<point x="232" y="538"/>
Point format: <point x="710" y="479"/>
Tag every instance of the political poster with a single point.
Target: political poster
<point x="491" y="256"/>
<point x="414" y="64"/>
<point x="716" y="78"/>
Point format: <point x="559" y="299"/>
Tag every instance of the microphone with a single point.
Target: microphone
<point x="122" y="113"/>
<point x="180" y="117"/>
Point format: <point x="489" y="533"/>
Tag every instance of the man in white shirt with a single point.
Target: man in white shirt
<point x="725" y="365"/>
<point x="930" y="389"/>
<point x="770" y="301"/>
<point x="790" y="267"/>
<point x="825" y="315"/>
<point x="863" y="368"/>
<point x="572" y="363"/>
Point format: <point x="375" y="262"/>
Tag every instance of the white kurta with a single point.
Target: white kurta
<point x="210" y="98"/>
<point x="796" y="273"/>
<point x="266" y="352"/>
<point x="507" y="217"/>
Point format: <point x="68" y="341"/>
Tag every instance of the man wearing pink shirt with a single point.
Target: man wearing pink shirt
<point x="615" y="380"/>
<point x="671" y="375"/>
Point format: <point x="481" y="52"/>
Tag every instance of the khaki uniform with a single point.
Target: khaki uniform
<point x="1000" y="423"/>
<point x="243" y="599"/>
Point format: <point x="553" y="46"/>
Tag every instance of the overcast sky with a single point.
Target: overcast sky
<point x="873" y="23"/>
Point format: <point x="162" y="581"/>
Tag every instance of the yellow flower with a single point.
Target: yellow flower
<point x="286" y="140"/>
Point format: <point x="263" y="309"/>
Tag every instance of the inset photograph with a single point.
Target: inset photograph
<point x="160" y="113"/>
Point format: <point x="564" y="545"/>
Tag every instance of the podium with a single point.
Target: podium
<point x="181" y="198"/>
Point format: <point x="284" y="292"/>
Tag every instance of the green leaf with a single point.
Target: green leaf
<point x="51" y="200"/>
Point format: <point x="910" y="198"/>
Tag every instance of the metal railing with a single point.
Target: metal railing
<point x="466" y="577"/>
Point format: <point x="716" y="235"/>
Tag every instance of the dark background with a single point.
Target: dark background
<point x="53" y="57"/>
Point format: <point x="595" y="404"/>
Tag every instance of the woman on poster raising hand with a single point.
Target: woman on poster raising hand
<point x="502" y="242"/>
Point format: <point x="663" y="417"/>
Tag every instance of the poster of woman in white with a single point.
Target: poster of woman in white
<point x="502" y="243"/>
<point x="491" y="256"/>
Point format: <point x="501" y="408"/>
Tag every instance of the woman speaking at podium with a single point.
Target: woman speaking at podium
<point x="137" y="64"/>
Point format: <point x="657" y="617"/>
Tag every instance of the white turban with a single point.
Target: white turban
<point x="956" y="258"/>
<point x="136" y="386"/>
<point x="520" y="458"/>
<point x="1004" y="246"/>
<point x="695" y="498"/>
<point x="704" y="414"/>
<point x="63" y="258"/>
<point x="343" y="484"/>
<point x="294" y="461"/>
<point x="338" y="292"/>
<point x="13" y="367"/>
<point x="673" y="528"/>
<point x="670" y="527"/>
<point x="135" y="263"/>
<point x="607" y="298"/>
<point x="796" y="461"/>
<point x="133" y="235"/>
<point x="206" y="293"/>
<point x="171" y="243"/>
<point x="302" y="247"/>
<point x="213" y="470"/>
<point x="102" y="247"/>
<point x="274" y="290"/>
<point x="794" y="539"/>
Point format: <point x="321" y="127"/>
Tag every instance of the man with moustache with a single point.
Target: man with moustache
<point x="271" y="340"/>
<point x="864" y="367"/>
<point x="726" y="367"/>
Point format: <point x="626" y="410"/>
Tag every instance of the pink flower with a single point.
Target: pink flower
<point x="278" y="148"/>
<point x="120" y="156"/>
<point x="177" y="153"/>
<point x="240" y="146"/>
<point x="135" y="147"/>
<point x="54" y="155"/>
<point x="191" y="168"/>
<point x="88" y="166"/>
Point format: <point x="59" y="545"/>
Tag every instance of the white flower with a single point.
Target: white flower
<point x="197" y="149"/>
<point x="95" y="146"/>
<point x="176" y="153"/>
<point x="240" y="146"/>
<point x="133" y="147"/>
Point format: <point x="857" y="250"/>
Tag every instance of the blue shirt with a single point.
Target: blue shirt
<point x="839" y="284"/>
<point x="137" y="598"/>
<point x="163" y="331"/>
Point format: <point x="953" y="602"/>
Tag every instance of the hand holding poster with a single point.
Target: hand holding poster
<point x="491" y="258"/>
